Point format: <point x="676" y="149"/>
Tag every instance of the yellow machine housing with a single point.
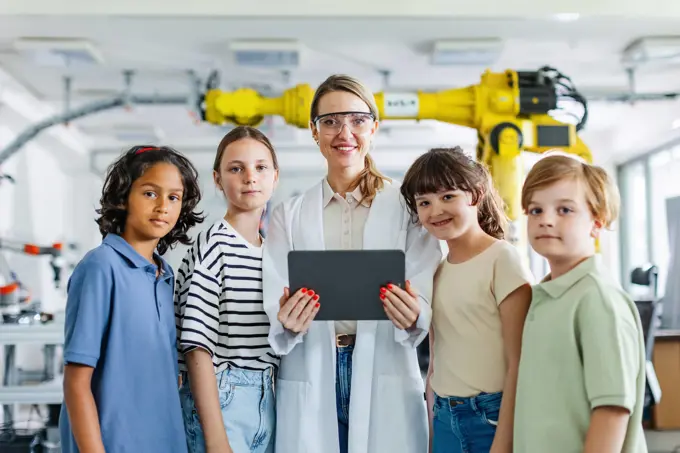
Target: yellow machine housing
<point x="510" y="111"/>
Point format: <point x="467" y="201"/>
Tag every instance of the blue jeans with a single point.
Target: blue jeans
<point x="465" y="425"/>
<point x="343" y="385"/>
<point x="248" y="411"/>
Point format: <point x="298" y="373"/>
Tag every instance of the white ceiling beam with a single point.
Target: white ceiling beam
<point x="562" y="11"/>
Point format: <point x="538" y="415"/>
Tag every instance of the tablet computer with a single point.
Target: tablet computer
<point x="347" y="281"/>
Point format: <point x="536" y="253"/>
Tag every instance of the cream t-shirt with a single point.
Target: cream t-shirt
<point x="469" y="356"/>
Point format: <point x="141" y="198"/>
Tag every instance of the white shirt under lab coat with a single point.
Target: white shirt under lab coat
<point x="387" y="405"/>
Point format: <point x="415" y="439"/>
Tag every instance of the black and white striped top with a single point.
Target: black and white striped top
<point x="218" y="301"/>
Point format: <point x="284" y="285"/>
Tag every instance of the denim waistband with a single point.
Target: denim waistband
<point x="473" y="401"/>
<point x="243" y="377"/>
<point x="345" y="349"/>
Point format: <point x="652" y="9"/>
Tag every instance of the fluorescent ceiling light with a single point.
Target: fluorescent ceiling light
<point x="59" y="51"/>
<point x="567" y="17"/>
<point x="279" y="53"/>
<point x="676" y="124"/>
<point x="652" y="49"/>
<point x="466" y="52"/>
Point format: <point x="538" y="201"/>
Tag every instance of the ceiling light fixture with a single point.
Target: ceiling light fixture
<point x="567" y="17"/>
<point x="652" y="49"/>
<point x="466" y="52"/>
<point x="266" y="53"/>
<point x="59" y="51"/>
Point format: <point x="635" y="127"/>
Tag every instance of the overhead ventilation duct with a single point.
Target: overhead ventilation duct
<point x="59" y="51"/>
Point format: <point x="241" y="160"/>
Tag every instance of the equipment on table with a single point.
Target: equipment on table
<point x="649" y="308"/>
<point x="23" y="321"/>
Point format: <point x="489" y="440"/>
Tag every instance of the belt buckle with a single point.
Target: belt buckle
<point x="338" y="340"/>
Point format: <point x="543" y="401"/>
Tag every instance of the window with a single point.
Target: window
<point x="635" y="250"/>
<point x="664" y="184"/>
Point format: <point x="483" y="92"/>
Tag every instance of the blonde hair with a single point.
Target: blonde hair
<point x="602" y="195"/>
<point x="370" y="181"/>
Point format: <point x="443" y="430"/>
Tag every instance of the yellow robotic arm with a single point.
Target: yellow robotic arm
<point x="510" y="111"/>
<point x="246" y="107"/>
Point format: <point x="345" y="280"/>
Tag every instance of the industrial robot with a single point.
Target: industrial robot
<point x="512" y="111"/>
<point x="18" y="309"/>
<point x="11" y="297"/>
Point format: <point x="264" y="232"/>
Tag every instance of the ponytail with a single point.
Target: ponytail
<point x="370" y="181"/>
<point x="490" y="214"/>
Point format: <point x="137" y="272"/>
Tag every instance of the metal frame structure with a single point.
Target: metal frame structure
<point x="125" y="99"/>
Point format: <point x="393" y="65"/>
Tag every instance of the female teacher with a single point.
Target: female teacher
<point x="348" y="387"/>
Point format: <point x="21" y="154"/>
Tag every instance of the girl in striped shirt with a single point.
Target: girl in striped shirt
<point x="227" y="366"/>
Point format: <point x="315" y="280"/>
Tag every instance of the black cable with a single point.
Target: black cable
<point x="565" y="89"/>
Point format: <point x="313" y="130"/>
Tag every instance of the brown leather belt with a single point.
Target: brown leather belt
<point x="344" y="340"/>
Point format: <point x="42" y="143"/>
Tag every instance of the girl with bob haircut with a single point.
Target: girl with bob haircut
<point x="481" y="297"/>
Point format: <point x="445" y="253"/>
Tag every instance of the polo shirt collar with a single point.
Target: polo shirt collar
<point x="133" y="257"/>
<point x="556" y="288"/>
<point x="328" y="194"/>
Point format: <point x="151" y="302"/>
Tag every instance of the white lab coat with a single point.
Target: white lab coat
<point x="387" y="407"/>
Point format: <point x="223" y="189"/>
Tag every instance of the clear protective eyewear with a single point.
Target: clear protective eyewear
<point x="358" y="122"/>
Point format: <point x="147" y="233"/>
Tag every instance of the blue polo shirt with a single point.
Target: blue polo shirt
<point x="120" y="320"/>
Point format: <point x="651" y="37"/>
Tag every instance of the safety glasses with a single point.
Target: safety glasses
<point x="331" y="123"/>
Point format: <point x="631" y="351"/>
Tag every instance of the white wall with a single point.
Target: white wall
<point x="48" y="203"/>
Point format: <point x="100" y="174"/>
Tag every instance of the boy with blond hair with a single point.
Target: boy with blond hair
<point x="582" y="378"/>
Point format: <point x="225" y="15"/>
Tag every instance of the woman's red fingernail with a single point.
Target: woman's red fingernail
<point x="382" y="296"/>
<point x="310" y="292"/>
<point x="316" y="297"/>
<point x="383" y="290"/>
<point x="317" y="305"/>
<point x="390" y="285"/>
<point x="304" y="290"/>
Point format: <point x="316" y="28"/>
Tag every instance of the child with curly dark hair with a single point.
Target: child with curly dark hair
<point x="481" y="296"/>
<point x="120" y="354"/>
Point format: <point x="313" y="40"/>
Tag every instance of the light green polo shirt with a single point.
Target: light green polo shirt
<point x="582" y="348"/>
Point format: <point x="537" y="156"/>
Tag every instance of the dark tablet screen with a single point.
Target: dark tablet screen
<point x="347" y="281"/>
